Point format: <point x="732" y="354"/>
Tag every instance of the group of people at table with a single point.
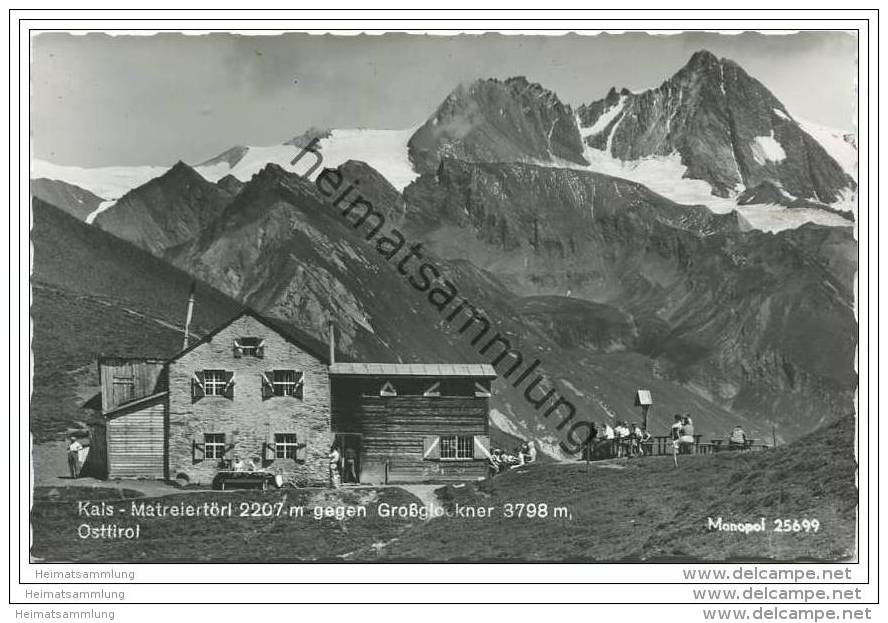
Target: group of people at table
<point x="500" y="460"/>
<point x="621" y="441"/>
<point x="626" y="441"/>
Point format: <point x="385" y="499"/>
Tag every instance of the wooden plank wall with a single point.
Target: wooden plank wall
<point x="393" y="429"/>
<point x="136" y="443"/>
<point x="145" y="375"/>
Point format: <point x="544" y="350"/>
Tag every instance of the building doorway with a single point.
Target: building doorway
<point x="349" y="445"/>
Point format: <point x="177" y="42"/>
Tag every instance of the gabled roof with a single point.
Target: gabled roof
<point x="455" y="370"/>
<point x="307" y="343"/>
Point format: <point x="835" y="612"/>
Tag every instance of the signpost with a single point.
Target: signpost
<point x="644" y="400"/>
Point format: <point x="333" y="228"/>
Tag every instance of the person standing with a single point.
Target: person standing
<point x="621" y="434"/>
<point x="351" y="465"/>
<point x="687" y="433"/>
<point x="676" y="438"/>
<point x="591" y="443"/>
<point x="74" y="449"/>
<point x="334" y="457"/>
<point x="685" y="442"/>
<point x="634" y="440"/>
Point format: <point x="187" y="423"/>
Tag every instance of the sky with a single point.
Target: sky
<point x="101" y="100"/>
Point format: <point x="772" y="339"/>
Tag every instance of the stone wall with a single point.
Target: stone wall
<point x="247" y="419"/>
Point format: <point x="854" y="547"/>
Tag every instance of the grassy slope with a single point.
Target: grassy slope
<point x="649" y="511"/>
<point x="201" y="539"/>
<point x="95" y="294"/>
<point x="644" y="510"/>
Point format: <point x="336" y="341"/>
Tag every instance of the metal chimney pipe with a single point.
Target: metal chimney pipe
<point x="188" y="314"/>
<point x="331" y="341"/>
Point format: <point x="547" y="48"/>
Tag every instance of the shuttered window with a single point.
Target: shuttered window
<point x="218" y="383"/>
<point x="249" y="347"/>
<point x="286" y="445"/>
<point x="215" y="382"/>
<point x="456" y="447"/>
<point x="287" y="383"/>
<point x="214" y="445"/>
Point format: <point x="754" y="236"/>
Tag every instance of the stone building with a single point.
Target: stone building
<point x="251" y="392"/>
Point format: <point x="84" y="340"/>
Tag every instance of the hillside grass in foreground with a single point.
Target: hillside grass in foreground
<point x="644" y="509"/>
<point x="637" y="510"/>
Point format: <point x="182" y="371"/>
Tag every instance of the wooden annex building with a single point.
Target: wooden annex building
<point x="249" y="391"/>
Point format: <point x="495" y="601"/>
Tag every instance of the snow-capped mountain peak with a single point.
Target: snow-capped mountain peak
<point x="384" y="150"/>
<point x="705" y="136"/>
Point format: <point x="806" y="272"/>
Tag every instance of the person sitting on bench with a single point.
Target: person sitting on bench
<point x="738" y="439"/>
<point x="643" y="440"/>
<point x="530" y="453"/>
<point x="522" y="455"/>
<point x="496" y="463"/>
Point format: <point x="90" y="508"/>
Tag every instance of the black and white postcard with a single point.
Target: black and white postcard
<point x="476" y="296"/>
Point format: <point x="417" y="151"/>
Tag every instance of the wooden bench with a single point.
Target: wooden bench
<point x="229" y="479"/>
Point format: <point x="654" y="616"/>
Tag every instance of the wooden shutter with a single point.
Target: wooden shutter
<point x="270" y="448"/>
<point x="260" y="349"/>
<point x="431" y="448"/>
<point x="229" y="386"/>
<point x="198" y="450"/>
<point x="299" y="387"/>
<point x="482" y="447"/>
<point x="197" y="385"/>
<point x="267" y="385"/>
<point x="237" y="349"/>
<point x="302" y="447"/>
<point x="482" y="389"/>
<point x="230" y="443"/>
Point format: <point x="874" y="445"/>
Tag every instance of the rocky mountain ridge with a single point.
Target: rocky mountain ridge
<point x="611" y="284"/>
<point x="498" y="121"/>
<point x="728" y="128"/>
<point x="166" y="211"/>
